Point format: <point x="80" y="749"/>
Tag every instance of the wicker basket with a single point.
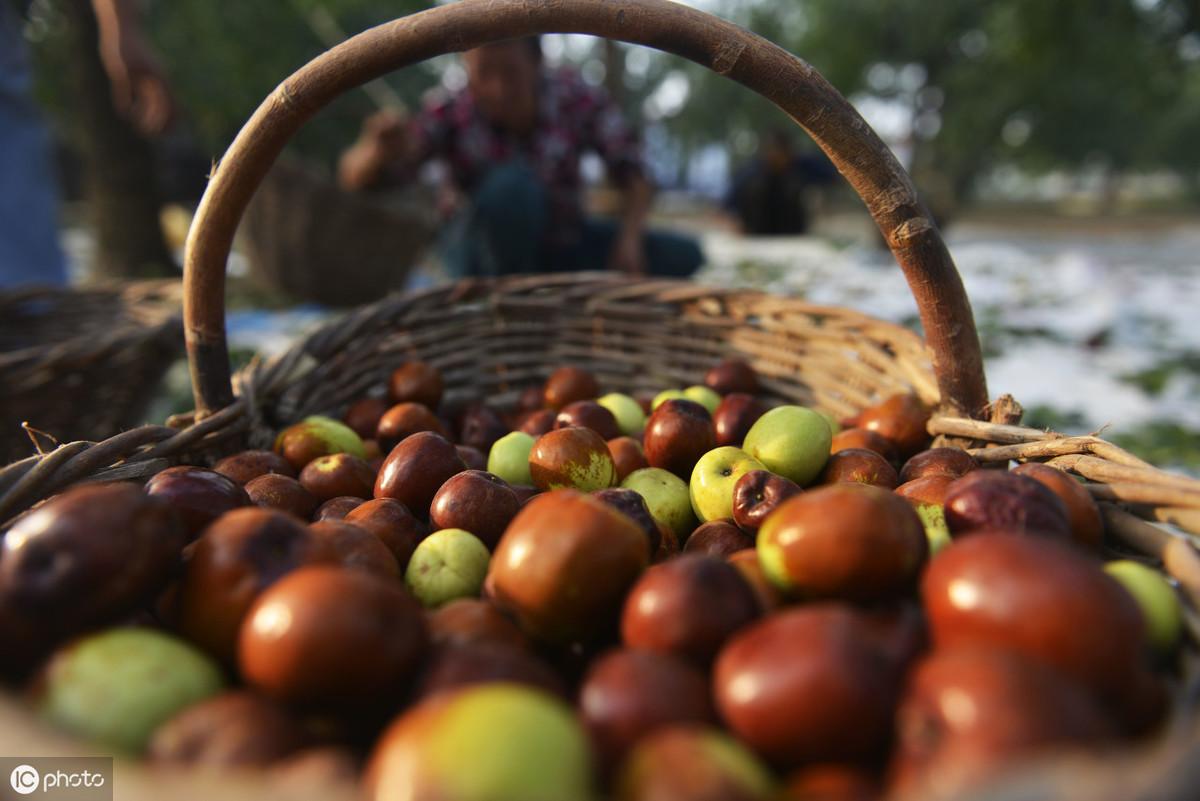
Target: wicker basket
<point x="77" y="362"/>
<point x="492" y="338"/>
<point x="310" y="240"/>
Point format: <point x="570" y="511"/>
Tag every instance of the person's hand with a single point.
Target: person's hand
<point x="383" y="143"/>
<point x="384" y="136"/>
<point x="139" y="87"/>
<point x="627" y="255"/>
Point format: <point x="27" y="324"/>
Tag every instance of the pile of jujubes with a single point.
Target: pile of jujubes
<point x="701" y="595"/>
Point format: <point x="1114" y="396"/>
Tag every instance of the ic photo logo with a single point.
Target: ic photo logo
<point x="24" y="779"/>
<point x="57" y="778"/>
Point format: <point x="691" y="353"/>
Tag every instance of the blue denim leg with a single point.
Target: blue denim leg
<point x="501" y="233"/>
<point x="29" y="249"/>
<point x="668" y="254"/>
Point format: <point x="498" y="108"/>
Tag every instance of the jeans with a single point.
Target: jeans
<point x="29" y="248"/>
<point x="504" y="230"/>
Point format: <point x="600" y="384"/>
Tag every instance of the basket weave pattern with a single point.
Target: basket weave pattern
<point x="78" y="363"/>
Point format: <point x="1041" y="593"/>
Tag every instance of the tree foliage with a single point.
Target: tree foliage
<point x="1041" y="84"/>
<point x="1037" y="83"/>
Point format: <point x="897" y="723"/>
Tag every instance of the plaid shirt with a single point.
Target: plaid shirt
<point x="573" y="118"/>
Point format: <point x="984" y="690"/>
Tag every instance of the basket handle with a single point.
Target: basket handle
<point x="786" y="80"/>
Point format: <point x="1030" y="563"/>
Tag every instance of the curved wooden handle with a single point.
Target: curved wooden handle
<point x="725" y="48"/>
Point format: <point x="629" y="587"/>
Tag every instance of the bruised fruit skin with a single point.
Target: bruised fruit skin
<point x="393" y="524"/>
<point x="337" y="474"/>
<point x="952" y="462"/>
<point x="628" y="694"/>
<point x="239" y="556"/>
<point x="273" y="491"/>
<point x="1019" y="710"/>
<point x="116" y="687"/>
<point x="477" y="501"/>
<point x="693" y="763"/>
<point x="356" y="548"/>
<point x="571" y="458"/>
<point x="564" y="565"/>
<point x="1083" y="515"/>
<point x="677" y="434"/>
<point x="416" y="382"/>
<point x="687" y="607"/>
<point x="333" y="639"/>
<point x="1041" y="599"/>
<point x="111" y="548"/>
<point x="757" y="494"/>
<point x="416" y="469"/>
<point x="901" y="419"/>
<point x="807" y="685"/>
<point x="246" y="466"/>
<point x="235" y="728"/>
<point x="567" y="385"/>
<point x="403" y="420"/>
<point x="543" y="754"/>
<point x="852" y="542"/>
<point x="992" y="499"/>
<point x="861" y="466"/>
<point x="933" y="517"/>
<point x="197" y="495"/>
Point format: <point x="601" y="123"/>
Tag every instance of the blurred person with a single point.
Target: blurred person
<point x="768" y="194"/>
<point x="29" y="245"/>
<point x="512" y="141"/>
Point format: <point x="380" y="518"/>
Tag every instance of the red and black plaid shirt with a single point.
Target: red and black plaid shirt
<point x="573" y="118"/>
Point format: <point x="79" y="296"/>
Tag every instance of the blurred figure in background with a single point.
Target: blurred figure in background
<point x="768" y="194"/>
<point x="512" y="141"/>
<point x="29" y="244"/>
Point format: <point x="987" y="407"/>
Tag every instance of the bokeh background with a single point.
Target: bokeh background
<point x="1055" y="141"/>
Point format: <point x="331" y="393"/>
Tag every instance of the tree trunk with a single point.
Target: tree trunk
<point x="120" y="182"/>
<point x="614" y="70"/>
